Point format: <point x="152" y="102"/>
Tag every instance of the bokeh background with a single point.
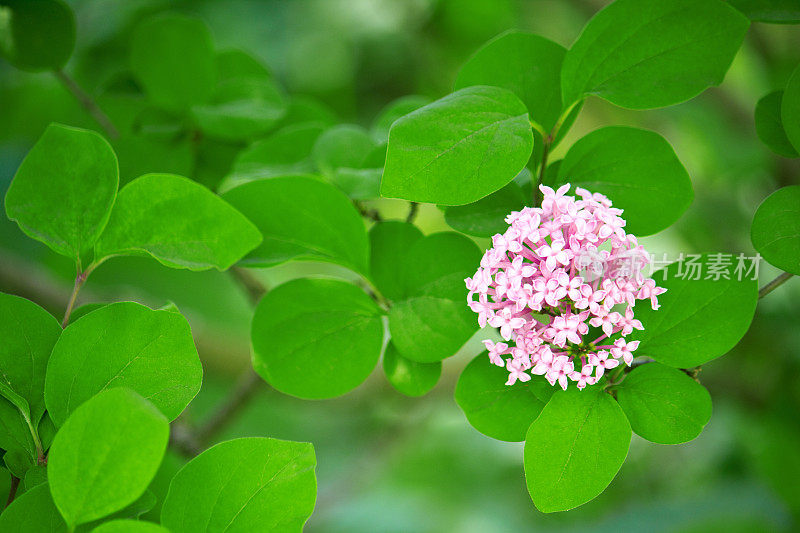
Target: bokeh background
<point x="394" y="464"/>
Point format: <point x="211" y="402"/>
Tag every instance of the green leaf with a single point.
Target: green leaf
<point x="433" y="321"/>
<point x="33" y="512"/>
<point x="663" y="404"/>
<point x="524" y="63"/>
<point x="36" y="34"/>
<point x="306" y="219"/>
<point x="129" y="526"/>
<point x="790" y="109"/>
<point x="241" y="109"/>
<point x="179" y="223"/>
<point x="774" y="11"/>
<point x="407" y="376"/>
<point x="308" y="110"/>
<point x="638" y="171"/>
<point x="769" y="126"/>
<point x="776" y="229"/>
<point x="459" y="148"/>
<point x="394" y="110"/>
<point x="345" y="155"/>
<point x="643" y="54"/>
<point x="574" y="448"/>
<point x="389" y="243"/>
<point x="124" y="345"/>
<point x="251" y="484"/>
<point x="316" y="338"/>
<point x="105" y="455"/>
<point x="699" y="319"/>
<point x="285" y="152"/>
<point x="35" y="477"/>
<point x="487" y="216"/>
<point x="29" y="334"/>
<point x="172" y="57"/>
<point x="503" y="412"/>
<point x="236" y="64"/>
<point x="64" y="189"/>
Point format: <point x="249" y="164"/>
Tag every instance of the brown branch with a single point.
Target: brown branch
<point x="12" y="492"/>
<point x="774" y="284"/>
<point x="87" y="103"/>
<point x="412" y="212"/>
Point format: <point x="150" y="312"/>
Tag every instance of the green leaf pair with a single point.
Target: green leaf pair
<point x="65" y="195"/>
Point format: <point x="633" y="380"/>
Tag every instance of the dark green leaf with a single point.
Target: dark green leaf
<point x="64" y="189"/>
<point x="179" y="223"/>
<point x="407" y="376"/>
<point x="129" y="526"/>
<point x="344" y="145"/>
<point x="105" y="455"/>
<point x="173" y="58"/>
<point x="774" y="11"/>
<point x="306" y="219"/>
<point x="394" y="110"/>
<point x="459" y="148"/>
<point x="790" y="109"/>
<point x="36" y="34"/>
<point x="638" y="171"/>
<point x="316" y="338"/>
<point x="663" y="404"/>
<point x="524" y="63"/>
<point x="251" y="484"/>
<point x="389" y="244"/>
<point x="33" y="512"/>
<point x="501" y="411"/>
<point x="776" y="229"/>
<point x="124" y="345"/>
<point x="643" y="54"/>
<point x="487" y="216"/>
<point x="575" y="448"/>
<point x="233" y="63"/>
<point x="769" y="126"/>
<point x="699" y="319"/>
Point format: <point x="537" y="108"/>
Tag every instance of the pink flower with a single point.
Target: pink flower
<point x="560" y="371"/>
<point x="554" y="254"/>
<point x="606" y="321"/>
<point x="496" y="350"/>
<point x="629" y="323"/>
<point x="507" y="322"/>
<point x="622" y="350"/>
<point x="601" y="361"/>
<point x="584" y="377"/>
<point x="516" y="372"/>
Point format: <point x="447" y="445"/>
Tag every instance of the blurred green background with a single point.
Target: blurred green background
<point x="390" y="463"/>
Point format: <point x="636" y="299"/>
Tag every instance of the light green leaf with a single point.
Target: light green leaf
<point x="776" y="229"/>
<point x="524" y="63"/>
<point x="308" y="110"/>
<point x="643" y="54"/>
<point x="790" y="109"/>
<point x="315" y="338"/>
<point x="663" y="404"/>
<point x="774" y="11"/>
<point x="306" y="219"/>
<point x="487" y="216"/>
<point x="285" y="152"/>
<point x="251" y="484"/>
<point x="105" y="455"/>
<point x="129" y="526"/>
<point x="36" y="34"/>
<point x="407" y="376"/>
<point x="33" y="512"/>
<point x="503" y="412"/>
<point x="389" y="243"/>
<point x="124" y="345"/>
<point x="769" y="126"/>
<point x="179" y="223"/>
<point x="459" y="148"/>
<point x="638" y="171"/>
<point x="699" y="319"/>
<point x="234" y="63"/>
<point x="172" y="57"/>
<point x="344" y="154"/>
<point x="574" y="448"/>
<point x="64" y="189"/>
<point x="394" y="110"/>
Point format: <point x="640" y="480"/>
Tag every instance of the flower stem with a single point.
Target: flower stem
<point x="774" y="284"/>
<point x="12" y="492"/>
<point x="412" y="212"/>
<point x="88" y="104"/>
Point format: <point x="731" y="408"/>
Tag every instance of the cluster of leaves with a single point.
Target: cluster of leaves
<point x="292" y="189"/>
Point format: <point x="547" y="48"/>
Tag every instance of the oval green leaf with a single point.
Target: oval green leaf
<point x="251" y="484"/>
<point x="664" y="405"/>
<point x="407" y="376"/>
<point x="105" y="455"/>
<point x="503" y="412"/>
<point x="37" y="34"/>
<point x="524" y="63"/>
<point x="124" y="345"/>
<point x="699" y="319"/>
<point x="33" y="512"/>
<point x="574" y="448"/>
<point x="769" y="126"/>
<point x="179" y="223"/>
<point x="458" y="149"/>
<point x="776" y="229"/>
<point x="129" y="526"/>
<point x="643" y="54"/>
<point x="389" y="243"/>
<point x="638" y="171"/>
<point x="487" y="216"/>
<point x="64" y="189"/>
<point x="316" y="338"/>
<point x="790" y="109"/>
<point x="306" y="219"/>
<point x="772" y="11"/>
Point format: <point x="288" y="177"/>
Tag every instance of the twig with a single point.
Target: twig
<point x="371" y="214"/>
<point x="80" y="279"/>
<point x="537" y="194"/>
<point x="87" y="103"/>
<point x="412" y="212"/>
<point x="254" y="288"/>
<point x="774" y="284"/>
<point x="246" y="387"/>
<point x="12" y="492"/>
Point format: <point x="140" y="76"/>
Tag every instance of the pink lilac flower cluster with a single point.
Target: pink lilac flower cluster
<point x="555" y="271"/>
